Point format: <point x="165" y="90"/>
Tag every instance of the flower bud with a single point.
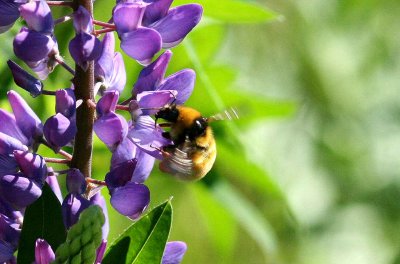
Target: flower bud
<point x="66" y="102"/>
<point x="32" y="166"/>
<point x="44" y="254"/>
<point x="59" y="131"/>
<point x="24" y="80"/>
<point x="76" y="182"/>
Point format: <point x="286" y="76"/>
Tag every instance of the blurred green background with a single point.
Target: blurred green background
<point x="310" y="173"/>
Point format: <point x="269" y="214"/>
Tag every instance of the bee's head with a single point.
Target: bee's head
<point x="198" y="128"/>
<point x="168" y="112"/>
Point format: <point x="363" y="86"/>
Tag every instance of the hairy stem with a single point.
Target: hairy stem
<point x="84" y="83"/>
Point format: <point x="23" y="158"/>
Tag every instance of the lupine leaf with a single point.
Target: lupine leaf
<point x="42" y="219"/>
<point x="144" y="241"/>
<point x="233" y="11"/>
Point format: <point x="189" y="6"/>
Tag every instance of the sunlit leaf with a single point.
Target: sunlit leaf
<point x="144" y="241"/>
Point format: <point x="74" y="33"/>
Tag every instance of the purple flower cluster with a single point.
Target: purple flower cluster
<point x="144" y="28"/>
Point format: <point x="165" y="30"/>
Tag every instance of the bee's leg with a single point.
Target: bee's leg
<point x="163" y="151"/>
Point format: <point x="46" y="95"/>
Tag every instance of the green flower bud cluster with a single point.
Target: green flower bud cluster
<point x="83" y="238"/>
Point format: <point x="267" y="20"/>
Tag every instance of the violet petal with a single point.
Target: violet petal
<point x="155" y="99"/>
<point x="72" y="207"/>
<point x="107" y="103"/>
<point x="84" y="47"/>
<point x="144" y="166"/>
<point x="148" y="137"/>
<point x="153" y="74"/>
<point x="178" y="23"/>
<point x="173" y="252"/>
<point x="155" y="11"/>
<point x="118" y="79"/>
<point x="7" y="164"/>
<point x="127" y="16"/>
<point x="37" y="15"/>
<point x="183" y="82"/>
<point x="141" y="44"/>
<point x="8" y="144"/>
<point x="44" y="254"/>
<point x="6" y="251"/>
<point x="111" y="128"/>
<point x="9" y="230"/>
<point x="9" y="126"/>
<point x="9" y="13"/>
<point x="121" y="174"/>
<point x="126" y="150"/>
<point x="59" y="130"/>
<point x="27" y="120"/>
<point x="83" y="22"/>
<point x="18" y="190"/>
<point x="131" y="200"/>
<point x="32" y="166"/>
<point x="30" y="45"/>
<point x="24" y="80"/>
<point x="104" y="64"/>
<point x="66" y="102"/>
<point x="76" y="182"/>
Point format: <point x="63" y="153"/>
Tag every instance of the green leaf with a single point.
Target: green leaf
<point x="144" y="241"/>
<point x="43" y="219"/>
<point x="232" y="11"/>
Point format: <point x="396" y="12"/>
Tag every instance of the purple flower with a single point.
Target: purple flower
<point x="59" y="131"/>
<point x="26" y="119"/>
<point x="19" y="190"/>
<point x="152" y="78"/>
<point x="84" y="47"/>
<point x="44" y="254"/>
<point x="110" y="127"/>
<point x="37" y="15"/>
<point x="110" y="67"/>
<point x="173" y="252"/>
<point x="24" y="80"/>
<point x="32" y="166"/>
<point x="76" y="182"/>
<point x="66" y="102"/>
<point x="131" y="199"/>
<point x="9" y="13"/>
<point x="146" y="26"/>
<point x="72" y="207"/>
<point x="99" y="200"/>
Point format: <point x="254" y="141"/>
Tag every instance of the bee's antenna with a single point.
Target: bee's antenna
<point x="228" y="114"/>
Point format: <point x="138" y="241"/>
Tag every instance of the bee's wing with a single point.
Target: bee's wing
<point x="227" y="114"/>
<point x="180" y="160"/>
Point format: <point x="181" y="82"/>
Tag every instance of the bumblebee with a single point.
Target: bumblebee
<point x="193" y="152"/>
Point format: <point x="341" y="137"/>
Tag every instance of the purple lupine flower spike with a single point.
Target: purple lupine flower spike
<point x="9" y="13"/>
<point x="24" y="80"/>
<point x="44" y="254"/>
<point x="37" y="15"/>
<point x="26" y="119"/>
<point x="173" y="252"/>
